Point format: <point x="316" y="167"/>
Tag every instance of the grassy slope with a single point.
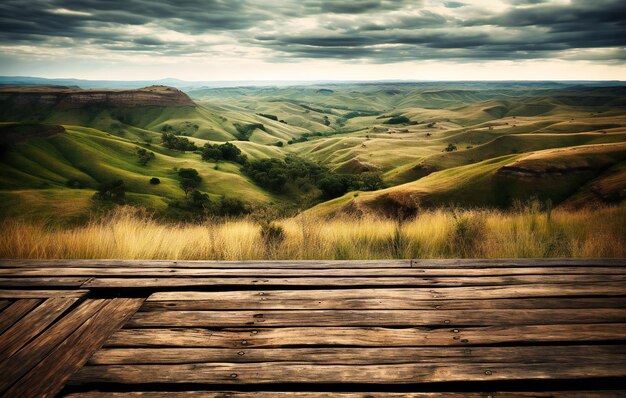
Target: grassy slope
<point x="92" y="156"/>
<point x="558" y="174"/>
<point x="489" y="123"/>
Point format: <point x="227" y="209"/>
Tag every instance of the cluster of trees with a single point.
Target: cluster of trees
<point x="144" y="156"/>
<point x="227" y="151"/>
<point x="398" y="120"/>
<point x="197" y="204"/>
<point x="296" y="173"/>
<point x="246" y="130"/>
<point x="450" y="148"/>
<point x="189" y="180"/>
<point x="111" y="191"/>
<point x="172" y="141"/>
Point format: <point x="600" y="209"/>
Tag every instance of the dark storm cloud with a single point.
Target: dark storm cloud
<point x="536" y="30"/>
<point x="380" y="31"/>
<point x="38" y="20"/>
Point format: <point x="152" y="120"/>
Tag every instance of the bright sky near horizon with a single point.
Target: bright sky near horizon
<point x="314" y="39"/>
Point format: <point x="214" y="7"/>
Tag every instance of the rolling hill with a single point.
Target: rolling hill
<point x="433" y="144"/>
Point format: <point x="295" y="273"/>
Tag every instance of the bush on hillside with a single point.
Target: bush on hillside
<point x="190" y="180"/>
<point x="246" y="130"/>
<point x="225" y="151"/>
<point x="155" y="181"/>
<point x="144" y="156"/>
<point x="450" y="148"/>
<point x="172" y="141"/>
<point x="113" y="191"/>
<point x="398" y="120"/>
<point x="268" y="116"/>
<point x="74" y="183"/>
<point x="371" y="181"/>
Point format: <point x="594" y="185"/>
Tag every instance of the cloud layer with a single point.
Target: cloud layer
<point x="371" y="31"/>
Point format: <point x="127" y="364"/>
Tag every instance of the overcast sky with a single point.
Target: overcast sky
<point x="314" y="39"/>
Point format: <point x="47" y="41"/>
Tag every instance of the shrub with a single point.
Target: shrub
<point x="155" y="181"/>
<point x="172" y="141"/>
<point x="144" y="156"/>
<point x="225" y="151"/>
<point x="371" y="181"/>
<point x="398" y="120"/>
<point x="246" y="130"/>
<point x="450" y="148"/>
<point x="73" y="183"/>
<point x="272" y="235"/>
<point x="232" y="207"/>
<point x="268" y="116"/>
<point x="190" y="180"/>
<point x="114" y="191"/>
<point x="334" y="185"/>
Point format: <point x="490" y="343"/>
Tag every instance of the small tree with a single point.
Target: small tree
<point x="451" y="148"/>
<point x="371" y="181"/>
<point x="144" y="156"/>
<point x="155" y="181"/>
<point x="190" y="180"/>
<point x="114" y="191"/>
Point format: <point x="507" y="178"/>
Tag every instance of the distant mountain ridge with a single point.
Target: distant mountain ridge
<point x="68" y="97"/>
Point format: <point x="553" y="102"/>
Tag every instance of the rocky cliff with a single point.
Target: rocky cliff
<point x="68" y="97"/>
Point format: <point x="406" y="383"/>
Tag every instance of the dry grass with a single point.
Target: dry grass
<point x="528" y="232"/>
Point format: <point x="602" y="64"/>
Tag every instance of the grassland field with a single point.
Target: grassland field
<point x="436" y="146"/>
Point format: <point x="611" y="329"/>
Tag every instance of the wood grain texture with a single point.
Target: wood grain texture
<point x="365" y="337"/>
<point x="40" y="294"/>
<point x="295" y="372"/>
<point x="344" y="299"/>
<point x="273" y="318"/>
<point x="48" y="377"/>
<point x="343" y="324"/>
<point x="32" y="324"/>
<point x="15" y="311"/>
<point x="53" y="282"/>
<point x="350" y="356"/>
<point x="26" y="358"/>
<point x="290" y="394"/>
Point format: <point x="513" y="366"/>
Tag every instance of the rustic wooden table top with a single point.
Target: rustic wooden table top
<point x="388" y="328"/>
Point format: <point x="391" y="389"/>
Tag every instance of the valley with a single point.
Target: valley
<point x="384" y="148"/>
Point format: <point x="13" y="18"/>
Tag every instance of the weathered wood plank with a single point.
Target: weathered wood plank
<point x="277" y="372"/>
<point x="365" y="337"/>
<point x="291" y="394"/>
<point x="363" y="356"/>
<point x="48" y="377"/>
<point x="273" y="318"/>
<point x="237" y="282"/>
<point x="42" y="282"/>
<point x="31" y="294"/>
<point x="575" y="274"/>
<point x="467" y="292"/>
<point x="299" y="264"/>
<point x="25" y="359"/>
<point x="390" y="299"/>
<point x="422" y="263"/>
<point x="32" y="324"/>
<point x="15" y="311"/>
<point x="4" y="303"/>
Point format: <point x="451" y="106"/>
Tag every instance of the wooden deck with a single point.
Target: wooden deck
<point x="421" y="329"/>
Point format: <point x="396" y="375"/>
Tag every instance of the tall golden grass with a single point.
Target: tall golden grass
<point x="529" y="232"/>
